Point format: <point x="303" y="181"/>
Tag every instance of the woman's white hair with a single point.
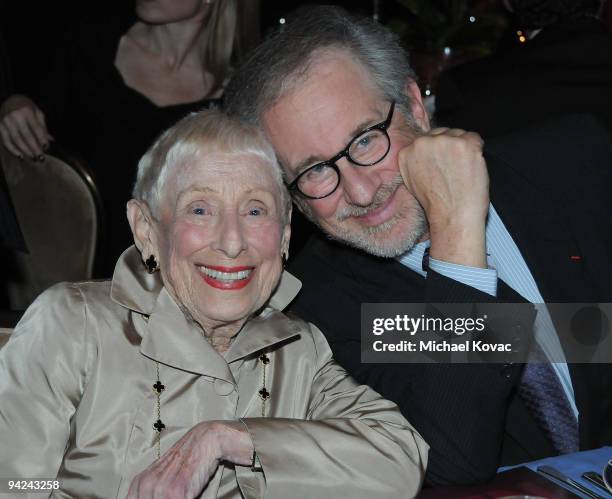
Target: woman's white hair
<point x="195" y="135"/>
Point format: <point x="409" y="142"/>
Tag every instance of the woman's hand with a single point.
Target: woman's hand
<point x="186" y="468"/>
<point x="23" y="130"/>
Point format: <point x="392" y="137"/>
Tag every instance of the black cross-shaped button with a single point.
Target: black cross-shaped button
<point x="264" y="358"/>
<point x="264" y="394"/>
<point x="159" y="426"/>
<point x="159" y="387"/>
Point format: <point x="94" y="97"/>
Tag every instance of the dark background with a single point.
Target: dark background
<point x="33" y="29"/>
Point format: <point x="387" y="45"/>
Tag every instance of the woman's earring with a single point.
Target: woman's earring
<point x="151" y="264"/>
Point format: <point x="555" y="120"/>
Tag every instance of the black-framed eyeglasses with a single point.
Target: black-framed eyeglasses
<point x="366" y="149"/>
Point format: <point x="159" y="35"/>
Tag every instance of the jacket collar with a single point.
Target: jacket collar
<point x="170" y="337"/>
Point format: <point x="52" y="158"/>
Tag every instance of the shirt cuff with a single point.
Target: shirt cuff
<point x="484" y="280"/>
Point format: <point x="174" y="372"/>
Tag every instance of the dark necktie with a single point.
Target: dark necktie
<point x="541" y="389"/>
<point x="542" y="392"/>
<point x="543" y="395"/>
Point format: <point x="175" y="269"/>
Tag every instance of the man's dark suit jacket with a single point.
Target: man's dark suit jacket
<point x="552" y="187"/>
<point x="566" y="68"/>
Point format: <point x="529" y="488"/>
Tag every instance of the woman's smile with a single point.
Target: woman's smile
<point x="226" y="278"/>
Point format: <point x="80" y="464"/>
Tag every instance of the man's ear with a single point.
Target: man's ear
<point x="143" y="229"/>
<point x="419" y="112"/>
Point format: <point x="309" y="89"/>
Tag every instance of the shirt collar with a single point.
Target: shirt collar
<point x="134" y="288"/>
<point x="170" y="337"/>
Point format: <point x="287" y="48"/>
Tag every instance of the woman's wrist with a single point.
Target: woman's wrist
<point x="234" y="442"/>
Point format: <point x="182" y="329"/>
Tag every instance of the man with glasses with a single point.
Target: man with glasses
<point x="339" y="102"/>
<point x="366" y="149"/>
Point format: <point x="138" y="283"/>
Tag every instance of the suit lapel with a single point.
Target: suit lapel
<point x="539" y="227"/>
<point x="543" y="229"/>
<point x="523" y="436"/>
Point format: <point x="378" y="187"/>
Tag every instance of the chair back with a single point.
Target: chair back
<point x="59" y="212"/>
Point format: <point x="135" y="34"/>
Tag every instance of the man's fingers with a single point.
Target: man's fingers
<point x="457" y="132"/>
<point x="403" y="158"/>
<point x="476" y="137"/>
<point x="453" y="132"/>
<point x="439" y="130"/>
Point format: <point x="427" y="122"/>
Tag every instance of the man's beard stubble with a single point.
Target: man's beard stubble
<point x="371" y="239"/>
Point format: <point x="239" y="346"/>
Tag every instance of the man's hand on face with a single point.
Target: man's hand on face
<point x="446" y="172"/>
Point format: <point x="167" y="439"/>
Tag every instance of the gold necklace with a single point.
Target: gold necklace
<point x="158" y="388"/>
<point x="264" y="394"/>
<point x="159" y="426"/>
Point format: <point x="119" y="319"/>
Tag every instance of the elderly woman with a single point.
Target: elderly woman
<point x="182" y="376"/>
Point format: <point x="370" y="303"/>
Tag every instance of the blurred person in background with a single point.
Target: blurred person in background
<point x="118" y="85"/>
<point x="561" y="63"/>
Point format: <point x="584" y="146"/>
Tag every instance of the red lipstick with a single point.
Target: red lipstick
<point x="229" y="285"/>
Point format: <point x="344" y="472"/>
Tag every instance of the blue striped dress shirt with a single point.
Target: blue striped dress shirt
<point x="506" y="263"/>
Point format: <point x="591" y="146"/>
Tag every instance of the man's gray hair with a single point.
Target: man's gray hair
<point x="276" y="66"/>
<point x="196" y="135"/>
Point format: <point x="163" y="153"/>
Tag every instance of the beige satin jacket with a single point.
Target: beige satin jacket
<point x="76" y="398"/>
